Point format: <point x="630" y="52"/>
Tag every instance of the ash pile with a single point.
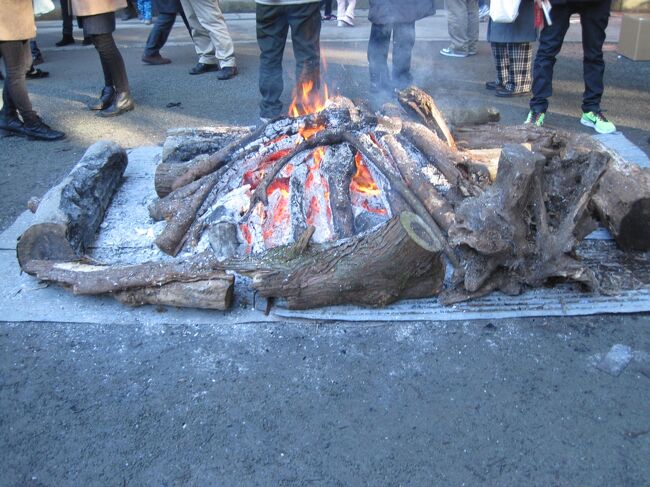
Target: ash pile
<point x="342" y="205"/>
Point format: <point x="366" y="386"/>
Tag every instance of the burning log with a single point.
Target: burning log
<point x="70" y="213"/>
<point x="422" y="104"/>
<point x="399" y="260"/>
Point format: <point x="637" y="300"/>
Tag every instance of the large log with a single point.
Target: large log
<point x="622" y="204"/>
<point x="398" y="260"/>
<point x="70" y="213"/>
<point x="198" y="282"/>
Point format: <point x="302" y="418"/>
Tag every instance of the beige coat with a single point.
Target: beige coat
<point x="16" y="20"/>
<point x="84" y="8"/>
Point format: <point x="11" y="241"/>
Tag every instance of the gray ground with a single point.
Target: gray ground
<point x="509" y="402"/>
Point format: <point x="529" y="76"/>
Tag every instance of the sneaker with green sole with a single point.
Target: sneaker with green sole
<point x="598" y="122"/>
<point x="535" y="118"/>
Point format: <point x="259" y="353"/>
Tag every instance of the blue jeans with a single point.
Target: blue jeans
<point x="594" y="17"/>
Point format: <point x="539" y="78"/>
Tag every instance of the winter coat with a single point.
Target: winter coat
<point x="399" y="11"/>
<point x="168" y="6"/>
<point x="17" y="20"/>
<point x="84" y="8"/>
<point x="521" y="30"/>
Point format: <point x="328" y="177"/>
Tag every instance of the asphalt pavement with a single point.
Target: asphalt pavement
<point x="480" y="402"/>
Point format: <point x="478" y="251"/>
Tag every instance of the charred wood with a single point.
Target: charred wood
<point x="70" y="213"/>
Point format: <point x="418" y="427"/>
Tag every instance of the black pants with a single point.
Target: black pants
<point x="112" y="62"/>
<point x="14" y="95"/>
<point x="161" y="30"/>
<point x="272" y="25"/>
<point x="378" y="45"/>
<point x="328" y="7"/>
<point x="66" y="16"/>
<point x="594" y="17"/>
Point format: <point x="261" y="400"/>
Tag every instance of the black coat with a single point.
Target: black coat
<point x="521" y="30"/>
<point x="399" y="11"/>
<point x="168" y="6"/>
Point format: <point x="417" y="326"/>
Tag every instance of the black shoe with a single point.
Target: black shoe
<point x="492" y="85"/>
<point x="155" y="60"/>
<point x="11" y="124"/>
<point x="38" y="60"/>
<point x="201" y="68"/>
<point x="507" y="93"/>
<point x="87" y="41"/>
<point x="39" y="130"/>
<point x="121" y="104"/>
<point x="35" y="73"/>
<point x="105" y="100"/>
<point x="227" y="72"/>
<point x="66" y="40"/>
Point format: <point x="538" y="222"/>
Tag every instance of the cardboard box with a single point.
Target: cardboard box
<point x="634" y="41"/>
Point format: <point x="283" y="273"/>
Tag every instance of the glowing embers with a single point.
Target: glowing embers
<point x="364" y="192"/>
<point x="317" y="195"/>
<point x="307" y="99"/>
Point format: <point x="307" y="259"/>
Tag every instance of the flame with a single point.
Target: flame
<point x="254" y="177"/>
<point x="362" y="181"/>
<point x="379" y="211"/>
<point x="308" y="132"/>
<point x="308" y="100"/>
<point x="319" y="154"/>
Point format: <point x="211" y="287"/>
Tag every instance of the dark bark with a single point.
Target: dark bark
<point x="69" y="215"/>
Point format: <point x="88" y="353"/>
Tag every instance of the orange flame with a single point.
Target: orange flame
<point x="308" y="100"/>
<point x="362" y="181"/>
<point x="279" y="190"/>
<point x="254" y="177"/>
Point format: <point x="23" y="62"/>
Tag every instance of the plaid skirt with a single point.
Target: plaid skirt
<point x="513" y="61"/>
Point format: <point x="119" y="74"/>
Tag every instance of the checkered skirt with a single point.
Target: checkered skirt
<point x="513" y="61"/>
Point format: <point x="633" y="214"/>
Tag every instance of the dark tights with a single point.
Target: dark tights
<point x="14" y="96"/>
<point x="112" y="62"/>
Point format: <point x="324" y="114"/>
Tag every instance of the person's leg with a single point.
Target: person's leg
<point x="378" y="46"/>
<point x="403" y="42"/>
<point x="457" y="17"/>
<point x="520" y="55"/>
<point x="472" y="26"/>
<point x="15" y="98"/>
<point x="550" y="42"/>
<point x="201" y="37"/>
<point x="211" y="18"/>
<point x="594" y="18"/>
<point x="159" y="34"/>
<point x="305" y="24"/>
<point x="37" y="56"/>
<point x="112" y="62"/>
<point x="500" y="54"/>
<point x="66" y="17"/>
<point x="272" y="26"/>
<point x="347" y="14"/>
<point x="328" y="8"/>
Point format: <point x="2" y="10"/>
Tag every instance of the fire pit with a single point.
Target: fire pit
<point x="337" y="204"/>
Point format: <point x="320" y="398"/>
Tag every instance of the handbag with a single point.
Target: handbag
<point x="42" y="7"/>
<point x="504" y="11"/>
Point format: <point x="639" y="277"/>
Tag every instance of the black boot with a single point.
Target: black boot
<point x="66" y="40"/>
<point x="121" y="104"/>
<point x="39" y="130"/>
<point x="10" y="124"/>
<point x="105" y="99"/>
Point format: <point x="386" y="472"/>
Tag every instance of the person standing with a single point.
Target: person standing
<point x="462" y="23"/>
<point x="513" y="53"/>
<point x="345" y="12"/>
<point x="594" y="17"/>
<point x="97" y="18"/>
<point x="211" y="37"/>
<point x="167" y="10"/>
<point x="66" y="17"/>
<point x="273" y="18"/>
<point x="17" y="115"/>
<point x="327" y="5"/>
<point x="144" y="8"/>
<point x="388" y="18"/>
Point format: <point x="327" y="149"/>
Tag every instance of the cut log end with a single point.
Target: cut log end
<point x="420" y="232"/>
<point x="45" y="241"/>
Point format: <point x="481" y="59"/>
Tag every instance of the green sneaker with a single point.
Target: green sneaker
<point x="598" y="122"/>
<point x="535" y="118"/>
